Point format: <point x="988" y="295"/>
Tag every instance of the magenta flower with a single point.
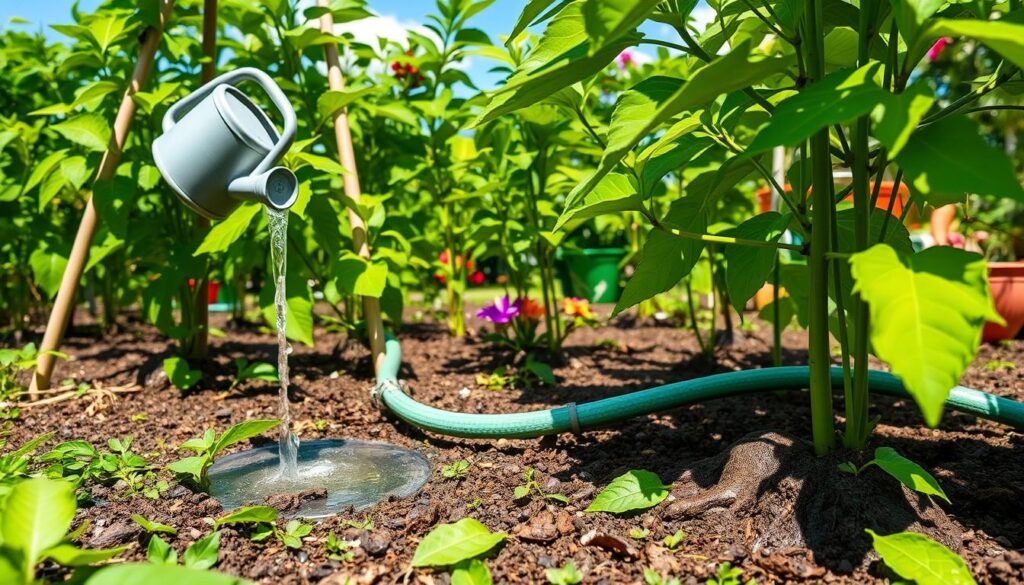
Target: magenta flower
<point x="936" y="50"/>
<point x="625" y="59"/>
<point x="501" y="312"/>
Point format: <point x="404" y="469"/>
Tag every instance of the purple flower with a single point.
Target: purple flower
<point x="625" y="59"/>
<point x="501" y="312"/>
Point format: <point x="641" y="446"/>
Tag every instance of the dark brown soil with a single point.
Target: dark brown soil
<point x="765" y="504"/>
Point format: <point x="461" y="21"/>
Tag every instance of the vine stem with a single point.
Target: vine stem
<point x="726" y="240"/>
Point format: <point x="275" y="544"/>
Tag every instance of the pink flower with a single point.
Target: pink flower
<point x="501" y="312"/>
<point x="625" y="59"/>
<point x="942" y="43"/>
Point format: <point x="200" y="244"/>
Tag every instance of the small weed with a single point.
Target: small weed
<point x="245" y="371"/>
<point x="652" y="577"/>
<point x="729" y="575"/>
<point x="201" y="554"/>
<point x="995" y="365"/>
<point x="263" y="520"/>
<point x="338" y="549"/>
<point x="365" y="524"/>
<point x="673" y="541"/>
<point x="476" y="503"/>
<point x="497" y="381"/>
<point x="457" y="470"/>
<point x="141" y="417"/>
<point x="639" y="533"/>
<point x="568" y="574"/>
<point x="532" y="486"/>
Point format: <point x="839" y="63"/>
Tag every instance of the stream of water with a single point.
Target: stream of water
<point x="288" y="442"/>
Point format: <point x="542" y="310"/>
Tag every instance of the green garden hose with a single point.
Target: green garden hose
<point x="574" y="418"/>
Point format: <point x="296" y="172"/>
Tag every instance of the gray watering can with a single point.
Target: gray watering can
<point x="218" y="147"/>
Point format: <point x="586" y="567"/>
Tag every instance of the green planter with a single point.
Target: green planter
<point x="590" y="273"/>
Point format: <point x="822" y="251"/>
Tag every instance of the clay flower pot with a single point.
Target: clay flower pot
<point x="1006" y="279"/>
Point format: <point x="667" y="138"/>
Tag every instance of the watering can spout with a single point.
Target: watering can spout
<point x="276" y="188"/>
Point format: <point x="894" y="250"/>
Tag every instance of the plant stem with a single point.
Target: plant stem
<point x="776" y="317"/>
<point x="727" y="240"/>
<point x="819" y="360"/>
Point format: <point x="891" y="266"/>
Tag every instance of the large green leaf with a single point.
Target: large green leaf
<point x="472" y="572"/>
<point x="333" y="101"/>
<point x="669" y="152"/>
<point x="563" y="56"/>
<point x="90" y="130"/>
<point x="106" y="30"/>
<point x="920" y="559"/>
<point x="242" y="431"/>
<point x="35" y="516"/>
<point x="48" y="268"/>
<point x="615" y="193"/>
<point x="657" y="99"/>
<point x="948" y="159"/>
<point x="838" y="98"/>
<point x="530" y="14"/>
<point x="636" y="489"/>
<point x="357" y="276"/>
<point x="247" y="515"/>
<point x="1006" y="38"/>
<point x="228" y="230"/>
<point x="897" y="116"/>
<point x="910" y="15"/>
<point x="748" y="267"/>
<point x="927" y="312"/>
<point x="70" y="555"/>
<point x="607" y="20"/>
<point x="146" y="574"/>
<point x="449" y="544"/>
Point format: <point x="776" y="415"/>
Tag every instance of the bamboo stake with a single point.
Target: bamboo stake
<point x="65" y="301"/>
<point x="347" y="158"/>
<point x="201" y="343"/>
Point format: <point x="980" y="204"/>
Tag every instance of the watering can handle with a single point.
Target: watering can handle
<point x="232" y="78"/>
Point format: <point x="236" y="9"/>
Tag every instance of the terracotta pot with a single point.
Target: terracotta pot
<point x="1006" y="279"/>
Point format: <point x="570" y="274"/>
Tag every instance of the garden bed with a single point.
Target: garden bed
<point x="979" y="464"/>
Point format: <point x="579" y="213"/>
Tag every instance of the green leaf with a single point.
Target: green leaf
<point x="47" y="269"/>
<point x="747" y="268"/>
<point x="911" y="14"/>
<point x="202" y="554"/>
<point x="146" y="574"/>
<point x="614" y="194"/>
<point x="153" y="527"/>
<point x="607" y="20"/>
<point x="907" y="472"/>
<point x="948" y="159"/>
<point x="243" y="431"/>
<point x="35" y="516"/>
<point x="656" y="99"/>
<point x="567" y="575"/>
<point x="70" y="555"/>
<point x="530" y="14"/>
<point x="920" y="559"/>
<point x="333" y="101"/>
<point x="563" y="56"/>
<point x="473" y="572"/>
<point x="246" y="515"/>
<point x="676" y="147"/>
<point x="321" y="163"/>
<point x="89" y="130"/>
<point x="160" y="553"/>
<point x="637" y="489"/>
<point x="449" y="544"/>
<point x="180" y="374"/>
<point x="227" y="231"/>
<point x="898" y="116"/>
<point x="1000" y="35"/>
<point x="190" y="466"/>
<point x="840" y="97"/>
<point x="43" y="169"/>
<point x="106" y="30"/>
<point x="927" y="313"/>
<point x="357" y="276"/>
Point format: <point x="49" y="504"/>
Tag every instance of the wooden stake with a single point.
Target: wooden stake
<point x="65" y="301"/>
<point x="201" y="343"/>
<point x="347" y="158"/>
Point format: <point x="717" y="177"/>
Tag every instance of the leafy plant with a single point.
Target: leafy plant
<point x="567" y="574"/>
<point x="638" y="533"/>
<point x="153" y="527"/>
<point x="81" y="463"/>
<point x="726" y="574"/>
<point x="264" y="521"/>
<point x="456" y="470"/>
<point x="672" y="541"/>
<point x="652" y="577"/>
<point x="920" y="559"/>
<point x="337" y="549"/>
<point x="449" y="544"/>
<point x="245" y="371"/>
<point x="209" y="446"/>
<point x="159" y="575"/>
<point x="12" y="363"/>
<point x="35" y="517"/>
<point x="904" y="470"/>
<point x="634" y="490"/>
<point x="14" y="465"/>
<point x="532" y="486"/>
<point x="996" y="365"/>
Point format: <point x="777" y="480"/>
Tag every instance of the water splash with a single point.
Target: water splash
<point x="288" y="442"/>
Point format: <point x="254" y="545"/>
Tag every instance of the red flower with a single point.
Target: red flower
<point x="477" y="278"/>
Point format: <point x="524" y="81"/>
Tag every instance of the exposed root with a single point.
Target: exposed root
<point x="771" y="488"/>
<point x="98" y="394"/>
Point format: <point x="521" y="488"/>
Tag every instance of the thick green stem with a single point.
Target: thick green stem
<point x="819" y="360"/>
<point x="776" y="317"/>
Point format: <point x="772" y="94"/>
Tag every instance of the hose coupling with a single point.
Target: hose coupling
<point x="377" y="391"/>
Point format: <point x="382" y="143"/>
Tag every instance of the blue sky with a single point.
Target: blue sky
<point x="496" y="20"/>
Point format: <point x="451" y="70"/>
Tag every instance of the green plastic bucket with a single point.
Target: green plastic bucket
<point x="591" y="273"/>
